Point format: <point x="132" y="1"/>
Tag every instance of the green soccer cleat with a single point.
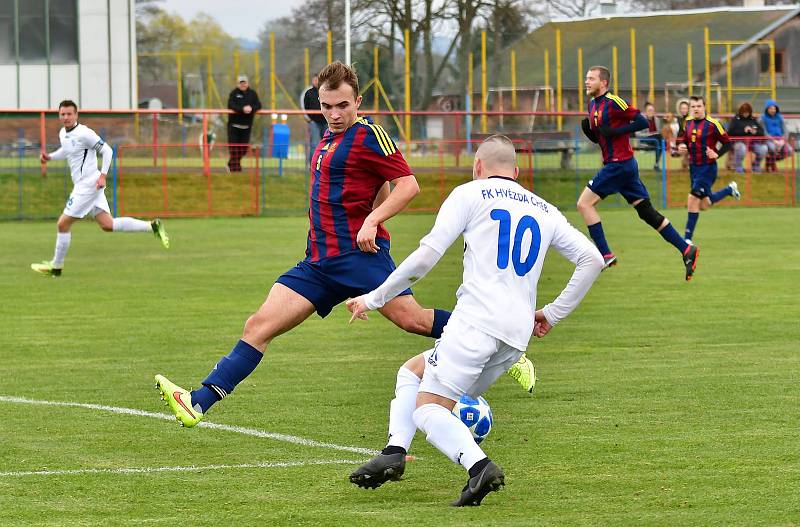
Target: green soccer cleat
<point x="524" y="373"/>
<point x="160" y="232"/>
<point x="47" y="268"/>
<point x="179" y="400"/>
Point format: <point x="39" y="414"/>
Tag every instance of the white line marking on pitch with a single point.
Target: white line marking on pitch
<point x="254" y="432"/>
<point x="192" y="468"/>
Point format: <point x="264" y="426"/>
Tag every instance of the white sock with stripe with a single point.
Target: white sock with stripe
<point x="63" y="240"/>
<point x="125" y="224"/>
<point x="446" y="432"/>
<point x="401" y="409"/>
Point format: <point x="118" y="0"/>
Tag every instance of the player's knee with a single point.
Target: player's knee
<point x="649" y="214"/>
<point x="256" y="330"/>
<point x="107" y="227"/>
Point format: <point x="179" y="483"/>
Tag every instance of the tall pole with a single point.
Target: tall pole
<point x="728" y="70"/>
<point x="772" y="69"/>
<point x="408" y="85"/>
<point x="347" y="32"/>
<point x="236" y="71"/>
<point x="558" y="76"/>
<point x="483" y="83"/>
<point x="689" y="73"/>
<point x="633" y="68"/>
<point x="651" y="94"/>
<point x="256" y="70"/>
<point x="209" y="78"/>
<point x="375" y="77"/>
<point x="581" y="73"/>
<point x="178" y="58"/>
<point x="272" y="102"/>
<point x="330" y="47"/>
<point x="614" y="69"/>
<point x="708" y="70"/>
<point x="547" y="80"/>
<point x="307" y="64"/>
<point x="513" y="80"/>
<point x="470" y="91"/>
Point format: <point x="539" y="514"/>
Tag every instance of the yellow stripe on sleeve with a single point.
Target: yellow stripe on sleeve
<point x="716" y="123"/>
<point x="622" y="104"/>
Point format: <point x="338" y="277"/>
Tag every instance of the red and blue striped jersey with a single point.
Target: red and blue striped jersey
<point x="702" y="133"/>
<point x="347" y="171"/>
<point x="610" y="110"/>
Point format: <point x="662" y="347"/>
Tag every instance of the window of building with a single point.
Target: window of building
<point x="29" y="28"/>
<point x="778" y="61"/>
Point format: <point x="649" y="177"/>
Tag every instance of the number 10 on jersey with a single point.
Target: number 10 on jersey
<point x="526" y="223"/>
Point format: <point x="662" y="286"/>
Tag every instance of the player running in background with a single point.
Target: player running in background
<point x="80" y="146"/>
<point x="700" y="139"/>
<point x="347" y="250"/>
<point x="610" y="123"/>
<point x="507" y="231"/>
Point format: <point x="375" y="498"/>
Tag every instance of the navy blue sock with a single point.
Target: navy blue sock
<point x="232" y="369"/>
<point x="691" y="223"/>
<point x="440" y="318"/>
<point x="721" y="194"/>
<point x="671" y="235"/>
<point x="599" y="237"/>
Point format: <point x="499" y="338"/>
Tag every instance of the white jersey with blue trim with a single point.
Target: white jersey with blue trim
<point x="507" y="231"/>
<point x="80" y="146"/>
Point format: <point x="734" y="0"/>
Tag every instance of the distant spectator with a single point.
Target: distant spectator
<point x="681" y="116"/>
<point x="778" y="146"/>
<point x="744" y="124"/>
<point x="316" y="122"/>
<point x="667" y="131"/>
<point x="651" y="136"/>
<point x="244" y="103"/>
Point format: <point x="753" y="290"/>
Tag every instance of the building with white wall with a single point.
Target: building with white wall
<point x="84" y="50"/>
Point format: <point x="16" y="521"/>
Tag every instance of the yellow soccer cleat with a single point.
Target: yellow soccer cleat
<point x="160" y="232"/>
<point x="524" y="373"/>
<point x="47" y="269"/>
<point x="179" y="400"/>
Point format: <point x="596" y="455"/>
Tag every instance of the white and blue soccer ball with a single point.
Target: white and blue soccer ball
<point x="476" y="414"/>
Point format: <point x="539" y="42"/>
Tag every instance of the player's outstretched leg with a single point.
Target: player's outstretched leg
<point x="489" y="479"/>
<point x="179" y="401"/>
<point x="524" y="373"/>
<point x="160" y="232"/>
<point x="379" y="470"/>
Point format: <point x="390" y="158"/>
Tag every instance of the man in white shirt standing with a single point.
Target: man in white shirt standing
<point x="507" y="231"/>
<point x="80" y="146"/>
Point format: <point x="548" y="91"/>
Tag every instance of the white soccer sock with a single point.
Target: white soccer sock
<point x="401" y="409"/>
<point x="131" y="225"/>
<point x="62" y="246"/>
<point x="446" y="432"/>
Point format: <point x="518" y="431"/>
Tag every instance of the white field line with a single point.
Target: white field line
<point x="192" y="468"/>
<point x="253" y="432"/>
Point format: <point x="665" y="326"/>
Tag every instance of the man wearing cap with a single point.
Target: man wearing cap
<point x="244" y="103"/>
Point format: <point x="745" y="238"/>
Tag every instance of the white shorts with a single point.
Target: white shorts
<point x="79" y="205"/>
<point x="465" y="361"/>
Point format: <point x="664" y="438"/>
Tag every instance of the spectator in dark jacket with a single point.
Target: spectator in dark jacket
<point x="316" y="122"/>
<point x="778" y="146"/>
<point x="746" y="128"/>
<point x="244" y="103"/>
<point x="651" y="136"/>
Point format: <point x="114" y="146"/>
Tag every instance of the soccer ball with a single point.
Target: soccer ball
<point x="476" y="414"/>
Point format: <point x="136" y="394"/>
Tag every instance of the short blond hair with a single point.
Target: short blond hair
<point x="334" y="74"/>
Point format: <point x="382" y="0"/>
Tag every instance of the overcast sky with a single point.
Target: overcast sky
<point x="240" y="18"/>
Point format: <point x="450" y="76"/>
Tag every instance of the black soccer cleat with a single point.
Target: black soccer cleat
<point x="379" y="470"/>
<point x="690" y="260"/>
<point x="490" y="479"/>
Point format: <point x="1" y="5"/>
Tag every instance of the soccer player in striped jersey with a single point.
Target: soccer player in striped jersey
<point x="610" y="123"/>
<point x="700" y="139"/>
<point x="347" y="251"/>
<point x="80" y="146"/>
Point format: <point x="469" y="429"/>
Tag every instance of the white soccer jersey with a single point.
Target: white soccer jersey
<point x="80" y="147"/>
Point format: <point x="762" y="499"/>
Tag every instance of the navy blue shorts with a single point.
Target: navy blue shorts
<point x="333" y="280"/>
<point x="703" y="178"/>
<point x="621" y="177"/>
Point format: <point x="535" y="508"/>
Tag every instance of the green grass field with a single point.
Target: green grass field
<point x="659" y="402"/>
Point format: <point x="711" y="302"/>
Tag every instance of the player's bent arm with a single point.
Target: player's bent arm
<point x="588" y="261"/>
<point x="58" y="154"/>
<point x="405" y="189"/>
<point x="411" y="271"/>
<point x="383" y="193"/>
<point x="108" y="153"/>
